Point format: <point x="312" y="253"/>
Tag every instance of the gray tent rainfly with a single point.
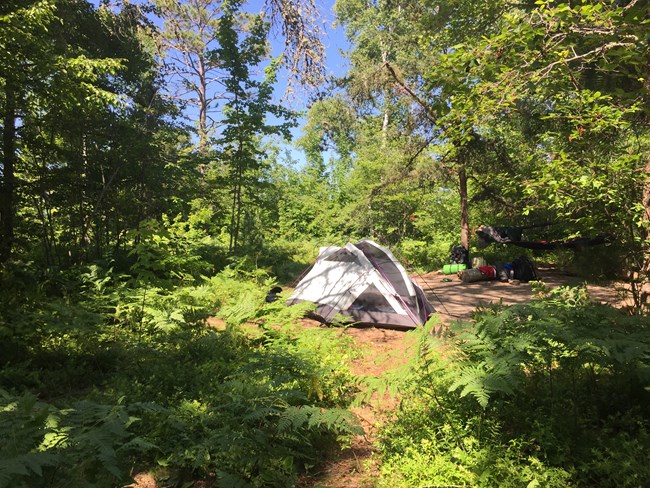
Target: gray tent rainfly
<point x="365" y="283"/>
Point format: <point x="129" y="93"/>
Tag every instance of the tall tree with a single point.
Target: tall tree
<point x="583" y="68"/>
<point x="189" y="41"/>
<point x="25" y="56"/>
<point x="395" y="46"/>
<point x="245" y="113"/>
<point x="34" y="71"/>
<point x="188" y="35"/>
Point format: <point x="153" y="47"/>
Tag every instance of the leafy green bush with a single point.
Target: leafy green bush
<point x="596" y="262"/>
<point x="175" y="250"/>
<point x="251" y="408"/>
<point x="287" y="259"/>
<point x="550" y="393"/>
<point x="426" y="255"/>
<point x="251" y="405"/>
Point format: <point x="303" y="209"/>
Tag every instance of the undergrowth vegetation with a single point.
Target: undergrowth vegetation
<point x="551" y="393"/>
<point x="104" y="375"/>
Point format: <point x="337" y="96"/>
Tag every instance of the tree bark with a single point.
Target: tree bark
<point x="386" y="120"/>
<point x="203" y="107"/>
<point x="8" y="186"/>
<point x="645" y="247"/>
<point x="645" y="285"/>
<point x="464" y="213"/>
<point x="235" y="216"/>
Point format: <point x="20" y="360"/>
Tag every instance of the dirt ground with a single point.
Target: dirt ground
<point x="457" y="300"/>
<point x="385" y="350"/>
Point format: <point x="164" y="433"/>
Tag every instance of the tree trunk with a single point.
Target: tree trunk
<point x="384" y="124"/>
<point x="235" y="216"/>
<point x="238" y="220"/>
<point x="386" y="120"/>
<point x="203" y="107"/>
<point x="464" y="214"/>
<point x="645" y="247"/>
<point x="645" y="285"/>
<point x="235" y="213"/>
<point x="8" y="187"/>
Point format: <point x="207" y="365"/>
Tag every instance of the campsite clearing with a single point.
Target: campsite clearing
<point x="457" y="300"/>
<point x="385" y="350"/>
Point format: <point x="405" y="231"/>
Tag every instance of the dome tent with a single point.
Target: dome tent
<point x="366" y="283"/>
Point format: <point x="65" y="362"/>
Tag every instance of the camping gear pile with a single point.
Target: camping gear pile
<point x="486" y="235"/>
<point x="459" y="255"/>
<point x="453" y="268"/>
<point x="362" y="283"/>
<point x="520" y="270"/>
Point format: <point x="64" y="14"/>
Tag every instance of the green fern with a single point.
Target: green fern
<point x="251" y="405"/>
<point x="82" y="445"/>
<point x="23" y="428"/>
<point x="524" y="395"/>
<point x="484" y="379"/>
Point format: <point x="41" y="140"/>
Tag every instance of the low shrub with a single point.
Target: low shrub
<point x="551" y="393"/>
<point x="425" y="255"/>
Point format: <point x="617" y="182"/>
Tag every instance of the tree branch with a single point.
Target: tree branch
<point x="601" y="49"/>
<point x="431" y="115"/>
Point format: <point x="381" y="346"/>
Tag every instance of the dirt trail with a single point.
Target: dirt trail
<point x="382" y="350"/>
<point x="385" y="350"/>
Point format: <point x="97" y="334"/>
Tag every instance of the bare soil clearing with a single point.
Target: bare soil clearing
<point x="457" y="300"/>
<point x="382" y="350"/>
<point x="385" y="350"/>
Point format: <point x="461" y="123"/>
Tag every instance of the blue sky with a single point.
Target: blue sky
<point x="335" y="40"/>
<point x="336" y="64"/>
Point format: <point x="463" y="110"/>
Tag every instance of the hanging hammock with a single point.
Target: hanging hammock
<point x="512" y="235"/>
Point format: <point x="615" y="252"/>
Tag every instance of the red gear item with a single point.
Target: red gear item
<point x="489" y="271"/>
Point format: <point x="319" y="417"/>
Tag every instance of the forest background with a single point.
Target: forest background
<point x="147" y="184"/>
